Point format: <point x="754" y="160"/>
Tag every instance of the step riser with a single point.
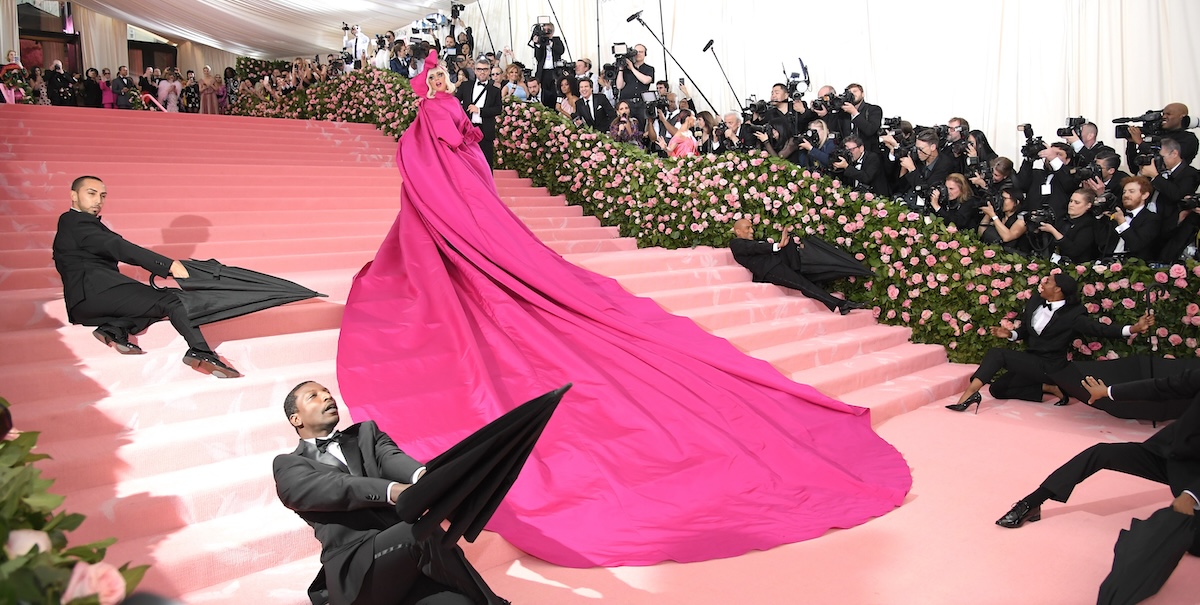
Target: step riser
<point x="833" y="348"/>
<point x="872" y="369"/>
<point x="43" y="240"/>
<point x="810" y="325"/>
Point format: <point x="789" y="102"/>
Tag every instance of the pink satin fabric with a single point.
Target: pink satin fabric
<point x="673" y="445"/>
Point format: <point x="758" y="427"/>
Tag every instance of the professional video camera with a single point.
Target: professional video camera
<point x="541" y="32"/>
<point x="917" y="198"/>
<point x="1151" y="123"/>
<point x="420" y="49"/>
<point x="811" y="135"/>
<point x="1147" y="154"/>
<point x="756" y="107"/>
<point x="978" y="167"/>
<point x="456" y="10"/>
<point x="1072" y="129"/>
<point x="655" y="103"/>
<point x="564" y="69"/>
<point x="622" y="55"/>
<point x="381" y="42"/>
<point x="345" y="26"/>
<point x="1105" y="203"/>
<point x="1034" y="219"/>
<point x="833" y="102"/>
<point x="1033" y="145"/>
<point x="793" y="87"/>
<point x="1089" y="172"/>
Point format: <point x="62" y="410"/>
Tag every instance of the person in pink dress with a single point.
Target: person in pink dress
<point x="683" y="142"/>
<point x="169" y="89"/>
<point x="208" y="92"/>
<point x="672" y="445"/>
<point x="107" y="98"/>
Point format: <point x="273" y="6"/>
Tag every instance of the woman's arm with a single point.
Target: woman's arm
<point x="1008" y="234"/>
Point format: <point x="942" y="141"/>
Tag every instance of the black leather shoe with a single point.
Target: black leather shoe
<point x="973" y="400"/>
<point x="210" y="364"/>
<point x="1066" y="400"/>
<point x="120" y="342"/>
<point x="1020" y="513"/>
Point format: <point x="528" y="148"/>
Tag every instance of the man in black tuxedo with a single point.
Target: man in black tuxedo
<point x="592" y="110"/>
<point x="345" y="484"/>
<point x="1174" y="181"/>
<point x="927" y="166"/>
<point x="548" y="50"/>
<point x="780" y="265"/>
<point x="120" y="86"/>
<point x="866" y="171"/>
<point x="86" y="253"/>
<point x="1052" y="320"/>
<point x="1172" y="126"/>
<point x="481" y="100"/>
<point x="1170" y="456"/>
<point x="860" y="118"/>
<point x="1049" y="180"/>
<point x="1087" y="146"/>
<point x="1135" y="228"/>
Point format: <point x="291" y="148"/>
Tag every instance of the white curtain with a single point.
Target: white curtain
<point x="195" y="56"/>
<point x="105" y="40"/>
<point x="996" y="63"/>
<point x="10" y="33"/>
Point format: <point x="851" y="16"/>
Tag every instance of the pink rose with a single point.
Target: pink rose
<point x="1116" y="267"/>
<point x="1160" y="277"/>
<point x="1181" y="283"/>
<point x="21" y="541"/>
<point x="1175" y="339"/>
<point x="1178" y="271"/>
<point x="100" y="579"/>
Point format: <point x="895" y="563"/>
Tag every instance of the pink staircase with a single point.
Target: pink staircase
<point x="177" y="464"/>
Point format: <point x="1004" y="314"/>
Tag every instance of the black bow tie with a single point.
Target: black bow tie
<point x="1048" y="306"/>
<point x="323" y="444"/>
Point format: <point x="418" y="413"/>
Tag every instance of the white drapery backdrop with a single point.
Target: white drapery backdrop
<point x="996" y="63"/>
<point x="195" y="56"/>
<point x="103" y="40"/>
<point x="10" y="33"/>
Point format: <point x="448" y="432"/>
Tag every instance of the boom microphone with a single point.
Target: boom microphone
<point x="707" y="46"/>
<point x="637" y="15"/>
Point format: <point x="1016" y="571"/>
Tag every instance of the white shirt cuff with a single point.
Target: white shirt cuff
<point x="417" y="474"/>
<point x="1123" y="226"/>
<point x="1110" y="392"/>
<point x="1127" y="331"/>
<point x="1012" y="336"/>
<point x="775" y="247"/>
<point x="388" y="494"/>
<point x="1039" y="164"/>
<point x="1195" y="506"/>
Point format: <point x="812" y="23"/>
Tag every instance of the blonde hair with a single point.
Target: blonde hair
<point x="429" y="81"/>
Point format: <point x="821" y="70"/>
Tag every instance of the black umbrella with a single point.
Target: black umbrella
<point x="466" y="483"/>
<point x="1126" y="369"/>
<point x="1145" y="555"/>
<point x="213" y="291"/>
<point x="821" y="261"/>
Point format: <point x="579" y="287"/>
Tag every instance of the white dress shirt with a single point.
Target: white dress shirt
<point x="335" y="449"/>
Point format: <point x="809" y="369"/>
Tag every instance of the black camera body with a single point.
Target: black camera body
<point x="345" y="26"/>
<point x="833" y="102"/>
<point x="381" y="42"/>
<point x="1105" y="204"/>
<point x="658" y="104"/>
<point x="564" y="69"/>
<point x="1034" y="219"/>
<point x="977" y="167"/>
<point x="1033" y="145"/>
<point x="1190" y="202"/>
<point x="1072" y="129"/>
<point x="1151" y="124"/>
<point x="456" y="10"/>
<point x="420" y="50"/>
<point x="1147" y="154"/>
<point x="1089" y="172"/>
<point x="793" y="87"/>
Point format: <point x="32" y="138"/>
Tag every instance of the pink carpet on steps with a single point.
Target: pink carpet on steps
<point x="176" y="465"/>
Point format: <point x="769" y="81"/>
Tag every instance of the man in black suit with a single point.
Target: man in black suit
<point x="120" y="86"/>
<point x="345" y="484"/>
<point x="86" y="253"/>
<point x="548" y="50"/>
<point x="1050" y="179"/>
<point x="1135" y="228"/>
<point x="1052" y="320"/>
<point x="926" y="167"/>
<point x="1086" y="145"/>
<point x="1110" y="177"/>
<point x="780" y="265"/>
<point x="866" y="171"/>
<point x="1170" y="456"/>
<point x="1172" y="126"/>
<point x="860" y="118"/>
<point x="1172" y="180"/>
<point x="592" y="110"/>
<point x="481" y="100"/>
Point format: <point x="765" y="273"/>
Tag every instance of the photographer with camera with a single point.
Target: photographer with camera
<point x="1135" y="228"/>
<point x="822" y="108"/>
<point x="1107" y="177"/>
<point x="401" y="59"/>
<point x="778" y="139"/>
<point x="731" y="134"/>
<point x="1074" y="234"/>
<point x="816" y="146"/>
<point x="781" y="103"/>
<point x="583" y="71"/>
<point x="955" y="204"/>
<point x="356" y="45"/>
<point x="924" y="166"/>
<point x="1172" y="179"/>
<point x="1169" y="124"/>
<point x="1005" y="226"/>
<point x="548" y="50"/>
<point x="954" y="144"/>
<point x="859" y="117"/>
<point x="1083" y="139"/>
<point x="864" y="169"/>
<point x="1047" y="177"/>
<point x="634" y="77"/>
<point x="989" y="178"/>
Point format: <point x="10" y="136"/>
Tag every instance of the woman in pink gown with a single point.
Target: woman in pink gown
<point x="672" y="445"/>
<point x="208" y="92"/>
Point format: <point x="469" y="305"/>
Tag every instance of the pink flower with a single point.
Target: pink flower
<point x="1116" y="267"/>
<point x="1178" y="271"/>
<point x="1160" y="277"/>
<point x="1175" y="339"/>
<point x="1089" y="290"/>
<point x="989" y="253"/>
<point x="100" y="579"/>
<point x="1128" y="303"/>
<point x="1181" y="283"/>
<point x="983" y="299"/>
<point x="893" y="292"/>
<point x="21" y="541"/>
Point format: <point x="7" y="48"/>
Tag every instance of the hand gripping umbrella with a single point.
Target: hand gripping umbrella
<point x="213" y="291"/>
<point x="466" y="483"/>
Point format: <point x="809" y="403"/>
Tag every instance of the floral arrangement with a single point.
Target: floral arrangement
<point x="37" y="566"/>
<point x="17" y="81"/>
<point x="944" y="285"/>
<point x="255" y="69"/>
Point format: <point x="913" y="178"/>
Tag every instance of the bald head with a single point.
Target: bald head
<point x="1173" y="116"/>
<point x="743" y="229"/>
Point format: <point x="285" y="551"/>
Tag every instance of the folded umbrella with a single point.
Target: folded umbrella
<point x="466" y="483"/>
<point x="1145" y="555"/>
<point x="213" y="292"/>
<point x="821" y="261"/>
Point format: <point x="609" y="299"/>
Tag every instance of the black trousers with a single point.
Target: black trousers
<point x="549" y="88"/>
<point x="1026" y="373"/>
<point x="781" y="275"/>
<point x="408" y="572"/>
<point x="131" y="308"/>
<point x="1130" y="458"/>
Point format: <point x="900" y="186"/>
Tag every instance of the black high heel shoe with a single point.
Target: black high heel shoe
<point x="1066" y="400"/>
<point x="973" y="400"/>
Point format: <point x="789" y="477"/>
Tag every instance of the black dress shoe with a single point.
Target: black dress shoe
<point x="118" y="341"/>
<point x="1066" y="400"/>
<point x="209" y="363"/>
<point x="1019" y="514"/>
<point x="973" y="400"/>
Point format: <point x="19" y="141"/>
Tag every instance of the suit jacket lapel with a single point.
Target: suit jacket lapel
<point x="354" y="460"/>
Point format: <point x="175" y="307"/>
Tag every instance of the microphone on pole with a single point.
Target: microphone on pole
<point x="637" y="15"/>
<point x="707" y="46"/>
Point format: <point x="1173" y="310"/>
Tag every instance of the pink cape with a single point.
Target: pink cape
<point x="673" y="445"/>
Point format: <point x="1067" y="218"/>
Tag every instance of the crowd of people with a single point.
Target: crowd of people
<point x="175" y="91"/>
